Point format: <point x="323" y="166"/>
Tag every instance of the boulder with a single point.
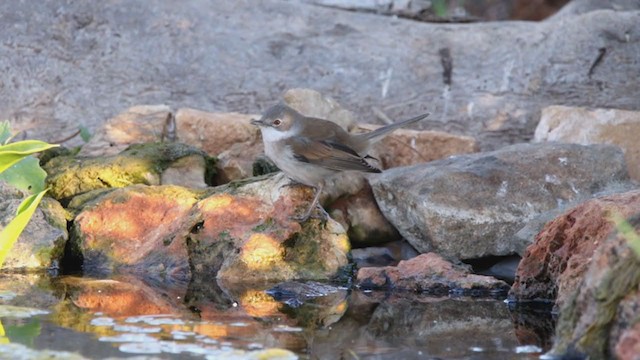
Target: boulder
<point x="244" y="232"/>
<point x="127" y="230"/>
<point x="410" y="67"/>
<point x="586" y="126"/>
<point x="147" y="164"/>
<point x="470" y="206"/>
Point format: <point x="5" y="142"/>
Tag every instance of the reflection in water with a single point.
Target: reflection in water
<point x="117" y="317"/>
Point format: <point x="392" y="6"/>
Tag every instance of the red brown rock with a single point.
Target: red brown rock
<point x="406" y="147"/>
<point x="247" y="234"/>
<point x="600" y="312"/>
<point x="360" y="215"/>
<point x="554" y="266"/>
<point x="426" y="273"/>
<point x="215" y="132"/>
<point x="129" y="228"/>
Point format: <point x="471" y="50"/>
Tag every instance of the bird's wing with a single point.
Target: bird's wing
<point x="329" y="154"/>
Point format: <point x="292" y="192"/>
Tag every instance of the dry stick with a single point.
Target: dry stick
<point x="381" y="115"/>
<point x="169" y="129"/>
<point x="67" y="138"/>
<point x="415" y="151"/>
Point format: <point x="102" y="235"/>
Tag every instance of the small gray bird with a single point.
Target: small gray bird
<point x="309" y="150"/>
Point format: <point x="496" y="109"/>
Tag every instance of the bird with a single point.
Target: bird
<point x="310" y="150"/>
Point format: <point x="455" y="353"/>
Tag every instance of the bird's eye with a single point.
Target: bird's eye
<point x="277" y="122"/>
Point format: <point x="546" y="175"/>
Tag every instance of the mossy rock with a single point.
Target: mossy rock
<point x="138" y="164"/>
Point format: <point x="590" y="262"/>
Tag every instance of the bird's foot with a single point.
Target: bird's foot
<point x="292" y="184"/>
<point x="321" y="214"/>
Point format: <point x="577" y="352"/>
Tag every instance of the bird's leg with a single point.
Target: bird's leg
<point x="292" y="183"/>
<point x="314" y="203"/>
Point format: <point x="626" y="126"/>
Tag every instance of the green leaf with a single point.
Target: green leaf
<point x="26" y="175"/>
<point x="5" y="132"/>
<point x="85" y="134"/>
<point x="9" y="235"/>
<point x="26" y="147"/>
<point x="14" y="152"/>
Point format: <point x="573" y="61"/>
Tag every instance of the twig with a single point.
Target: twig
<point x="67" y="138"/>
<point x="381" y="115"/>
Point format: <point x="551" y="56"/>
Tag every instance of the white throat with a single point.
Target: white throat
<point x="270" y="134"/>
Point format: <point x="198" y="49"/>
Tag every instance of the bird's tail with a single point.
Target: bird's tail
<point x="379" y="133"/>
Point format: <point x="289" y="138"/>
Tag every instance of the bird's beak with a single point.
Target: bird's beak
<point x="257" y="122"/>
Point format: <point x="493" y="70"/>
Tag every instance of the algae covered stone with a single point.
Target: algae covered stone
<point x="138" y="164"/>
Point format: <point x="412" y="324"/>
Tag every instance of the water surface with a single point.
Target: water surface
<point x="125" y="316"/>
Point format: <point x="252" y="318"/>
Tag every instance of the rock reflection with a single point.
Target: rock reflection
<point x="314" y="320"/>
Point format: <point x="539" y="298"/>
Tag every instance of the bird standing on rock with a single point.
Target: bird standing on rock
<point x="309" y="150"/>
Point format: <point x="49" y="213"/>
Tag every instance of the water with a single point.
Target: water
<point x="72" y="317"/>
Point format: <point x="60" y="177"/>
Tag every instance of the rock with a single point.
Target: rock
<point x="533" y="227"/>
<point x="137" y="125"/>
<point x="238" y="233"/>
<point x="578" y="7"/>
<point x="602" y="283"/>
<point x="553" y="267"/>
<point x="138" y="164"/>
<point x="229" y="136"/>
<point x="312" y="103"/>
<point x="428" y="273"/>
<point x="216" y="132"/>
<point x="360" y="216"/>
<point x="41" y="243"/>
<point x="238" y="162"/>
<point x="243" y="232"/>
<point x="409" y="147"/>
<point x="127" y="230"/>
<point x="593" y="126"/>
<point x="390" y="254"/>
<point x="470" y="206"/>
<point x="496" y="98"/>
<point x="189" y="171"/>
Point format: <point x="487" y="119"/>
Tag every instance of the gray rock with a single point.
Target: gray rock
<point x="526" y="236"/>
<point x="471" y="206"/>
<point x="66" y="63"/>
